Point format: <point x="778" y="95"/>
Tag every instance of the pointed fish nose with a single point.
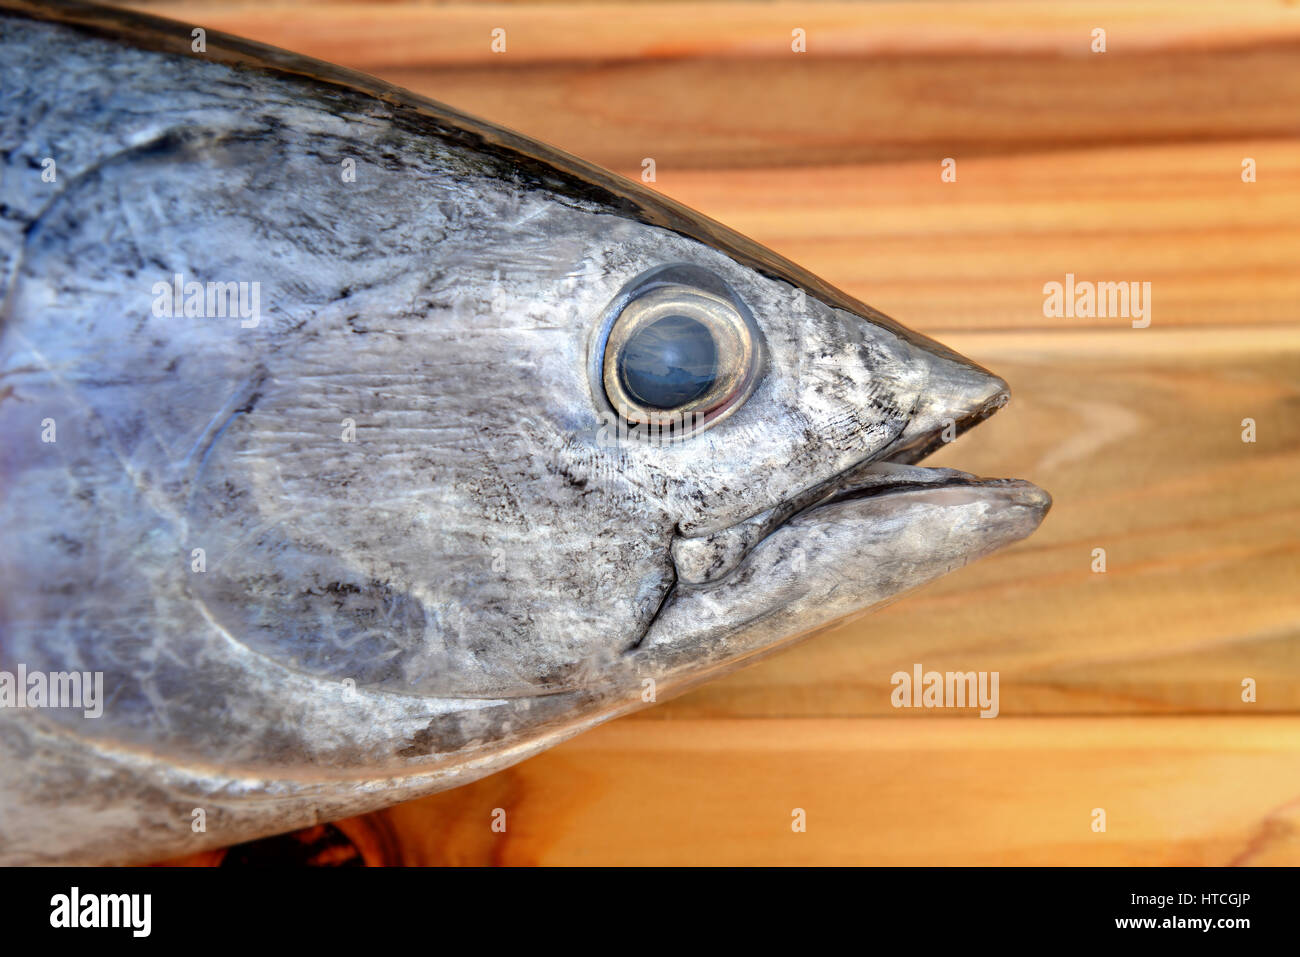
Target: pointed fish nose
<point x="957" y="395"/>
<point x="977" y="394"/>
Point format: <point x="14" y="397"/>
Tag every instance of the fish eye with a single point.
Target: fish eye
<point x="679" y="355"/>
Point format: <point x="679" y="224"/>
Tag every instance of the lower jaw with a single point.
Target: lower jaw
<point x="838" y="559"/>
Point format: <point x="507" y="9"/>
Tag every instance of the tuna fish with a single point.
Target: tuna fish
<point x="352" y="448"/>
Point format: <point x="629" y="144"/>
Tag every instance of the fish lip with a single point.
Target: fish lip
<point x="897" y="478"/>
<point x="913" y="477"/>
<point x="900" y="451"/>
<point x="1023" y="492"/>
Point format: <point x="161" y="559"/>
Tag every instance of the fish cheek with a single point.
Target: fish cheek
<point x="499" y="579"/>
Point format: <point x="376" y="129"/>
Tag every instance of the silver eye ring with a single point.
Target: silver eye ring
<point x="680" y="355"/>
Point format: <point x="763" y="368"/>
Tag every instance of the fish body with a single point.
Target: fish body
<point x="361" y="448"/>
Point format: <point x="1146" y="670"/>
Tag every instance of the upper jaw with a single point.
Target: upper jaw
<point x="914" y="445"/>
<point x="958" y="395"/>
<point x="892" y="478"/>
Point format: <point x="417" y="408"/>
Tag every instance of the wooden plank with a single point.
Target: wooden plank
<point x="716" y="85"/>
<point x="976" y="253"/>
<point x="1176" y="791"/>
<point x="407" y="32"/>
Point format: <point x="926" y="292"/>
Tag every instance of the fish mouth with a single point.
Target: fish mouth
<point x="707" y="559"/>
<point x="892" y="478"/>
<point x="857" y="539"/>
<point x="874" y="532"/>
<point x="894" y="470"/>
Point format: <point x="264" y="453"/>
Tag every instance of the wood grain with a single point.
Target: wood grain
<point x="716" y="85"/>
<point x="976" y="253"/>
<point x="1119" y="690"/>
<point x="1203" y="791"/>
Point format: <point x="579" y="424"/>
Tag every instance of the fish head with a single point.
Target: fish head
<point x="579" y="409"/>
<point x="769" y="485"/>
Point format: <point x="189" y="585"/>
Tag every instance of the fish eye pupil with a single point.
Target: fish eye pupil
<point x="676" y="354"/>
<point x="669" y="362"/>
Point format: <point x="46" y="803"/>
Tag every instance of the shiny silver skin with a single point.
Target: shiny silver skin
<point x="486" y="568"/>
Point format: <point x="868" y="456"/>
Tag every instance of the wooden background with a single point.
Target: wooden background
<point x="1119" y="690"/>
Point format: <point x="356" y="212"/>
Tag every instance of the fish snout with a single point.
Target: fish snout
<point x="956" y="396"/>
